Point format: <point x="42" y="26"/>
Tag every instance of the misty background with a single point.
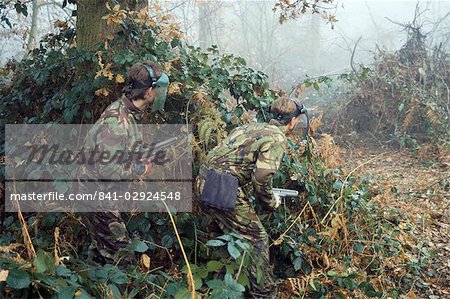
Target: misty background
<point x="287" y="52"/>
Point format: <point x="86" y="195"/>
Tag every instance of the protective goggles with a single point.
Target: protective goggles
<point x="162" y="81"/>
<point x="159" y="85"/>
<point x="298" y="111"/>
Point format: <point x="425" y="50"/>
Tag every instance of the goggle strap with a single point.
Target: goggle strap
<point x="299" y="110"/>
<point x="151" y="74"/>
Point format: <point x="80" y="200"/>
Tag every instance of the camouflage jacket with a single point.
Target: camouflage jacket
<point x="115" y="130"/>
<point x="252" y="153"/>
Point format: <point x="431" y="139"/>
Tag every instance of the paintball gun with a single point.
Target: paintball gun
<point x="284" y="192"/>
<point x="157" y="147"/>
<point x="155" y="151"/>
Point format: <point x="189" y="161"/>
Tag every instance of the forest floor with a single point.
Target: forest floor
<point x="418" y="184"/>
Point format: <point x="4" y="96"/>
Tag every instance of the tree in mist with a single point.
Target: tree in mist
<point x="26" y="21"/>
<point x="314" y="44"/>
<point x="209" y="23"/>
<point x="36" y="8"/>
<point x="92" y="29"/>
<point x="289" y="9"/>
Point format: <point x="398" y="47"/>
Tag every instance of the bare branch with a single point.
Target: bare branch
<point x="353" y="55"/>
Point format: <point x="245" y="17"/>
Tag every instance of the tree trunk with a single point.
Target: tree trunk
<point x="204" y="32"/>
<point x="33" y="28"/>
<point x="92" y="30"/>
<point x="315" y="45"/>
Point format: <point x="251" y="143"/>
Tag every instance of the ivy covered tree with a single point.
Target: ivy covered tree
<point x="92" y="28"/>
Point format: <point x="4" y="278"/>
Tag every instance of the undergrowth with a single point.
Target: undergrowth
<point x="331" y="241"/>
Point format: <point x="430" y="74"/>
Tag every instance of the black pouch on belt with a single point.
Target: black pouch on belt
<point x="220" y="190"/>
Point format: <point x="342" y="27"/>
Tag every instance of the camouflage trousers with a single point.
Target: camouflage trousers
<point x="109" y="237"/>
<point x="244" y="221"/>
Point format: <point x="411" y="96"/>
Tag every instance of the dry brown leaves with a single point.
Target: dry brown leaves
<point x="327" y="149"/>
<point x="420" y="187"/>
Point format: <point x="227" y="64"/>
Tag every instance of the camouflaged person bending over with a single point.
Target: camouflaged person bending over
<point x="251" y="154"/>
<point x="116" y="130"/>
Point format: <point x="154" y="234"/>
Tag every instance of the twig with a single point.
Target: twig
<point x="353" y="55"/>
<point x="280" y="238"/>
<point x="26" y="236"/>
<point x="240" y="266"/>
<point x="196" y="244"/>
<point x="191" y="282"/>
<point x="55" y="247"/>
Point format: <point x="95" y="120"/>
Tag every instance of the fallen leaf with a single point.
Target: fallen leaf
<point x="145" y="261"/>
<point x="4" y="275"/>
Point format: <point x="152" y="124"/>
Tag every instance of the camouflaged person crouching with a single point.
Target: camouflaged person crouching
<point x="251" y="153"/>
<point x="116" y="130"/>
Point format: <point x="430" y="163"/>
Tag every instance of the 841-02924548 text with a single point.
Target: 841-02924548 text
<point x="98" y="195"/>
<point x="150" y="196"/>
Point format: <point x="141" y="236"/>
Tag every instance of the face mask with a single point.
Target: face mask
<point x="302" y="127"/>
<point x="160" y="92"/>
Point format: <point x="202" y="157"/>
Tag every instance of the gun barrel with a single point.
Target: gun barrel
<point x="164" y="144"/>
<point x="285" y="192"/>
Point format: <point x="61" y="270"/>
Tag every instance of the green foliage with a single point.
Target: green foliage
<point x="18" y="279"/>
<point x="359" y="236"/>
<point x="62" y="84"/>
<point x="6" y="7"/>
<point x="228" y="288"/>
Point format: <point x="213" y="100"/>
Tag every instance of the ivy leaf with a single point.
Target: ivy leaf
<point x="298" y="262"/>
<point x="173" y="288"/>
<point x="337" y="185"/>
<point x="243" y="279"/>
<point x="232" y="284"/>
<point x="358" y="247"/>
<point x="39" y="264"/>
<point x="198" y="281"/>
<point x="226" y="238"/>
<point x="234" y="252"/>
<point x="214" y="266"/>
<point x="18" y="279"/>
<point x="61" y="187"/>
<point x="350" y="283"/>
<point x="332" y="273"/>
<point x="215" y="284"/>
<point x="43" y="262"/>
<point x="138" y="246"/>
<point x="63" y="271"/>
<point x="67" y="293"/>
<point x="243" y="245"/>
<point x="215" y="243"/>
<point x="167" y="241"/>
<point x="117" y="276"/>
